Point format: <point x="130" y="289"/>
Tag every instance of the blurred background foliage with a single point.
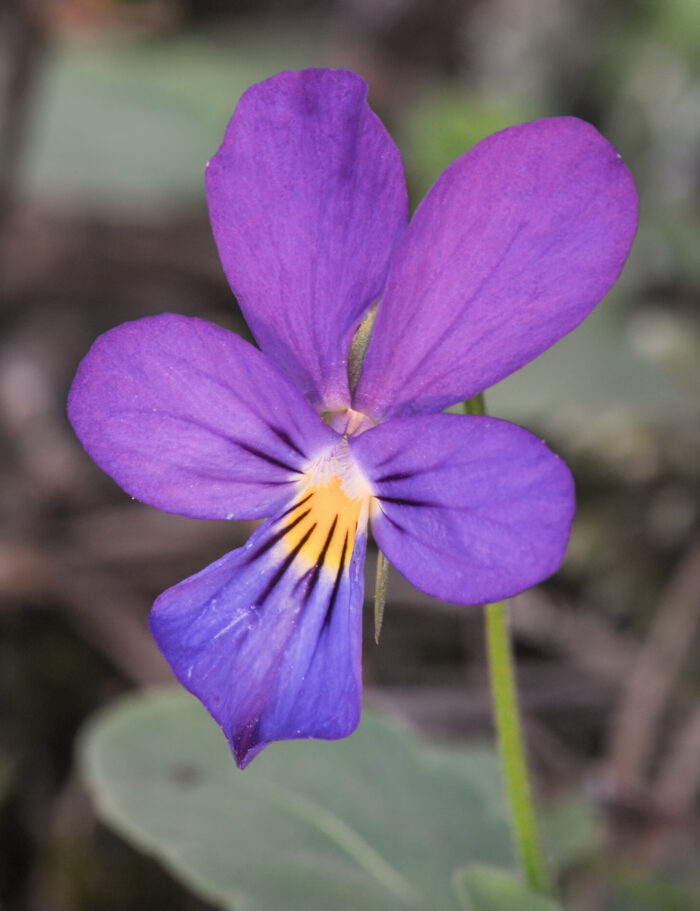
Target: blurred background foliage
<point x="108" y="113"/>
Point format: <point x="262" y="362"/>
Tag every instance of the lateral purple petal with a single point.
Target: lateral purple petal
<point x="190" y="418"/>
<point x="513" y="246"/>
<point x="469" y="509"/>
<point x="269" y="643"/>
<point x="307" y="200"/>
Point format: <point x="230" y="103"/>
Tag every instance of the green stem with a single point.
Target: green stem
<point x="509" y="733"/>
<point x="512" y="748"/>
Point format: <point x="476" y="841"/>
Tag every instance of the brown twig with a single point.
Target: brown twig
<point x="25" y="40"/>
<point x="678" y="781"/>
<point x="649" y="683"/>
<point x="106" y="611"/>
<point x="608" y="654"/>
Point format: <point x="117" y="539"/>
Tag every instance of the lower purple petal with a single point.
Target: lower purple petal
<point x="469" y="509"/>
<point x="268" y="640"/>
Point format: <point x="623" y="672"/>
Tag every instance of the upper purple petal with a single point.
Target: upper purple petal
<point x="513" y="246"/>
<point x="307" y="199"/>
<point x="271" y="644"/>
<point x="190" y="418"/>
<point x="469" y="509"/>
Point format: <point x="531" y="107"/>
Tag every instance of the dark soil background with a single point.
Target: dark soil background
<point x="108" y="113"/>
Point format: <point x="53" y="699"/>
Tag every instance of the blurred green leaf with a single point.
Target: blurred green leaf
<point x="570" y="832"/>
<point x="677" y="235"/>
<point x="445" y="124"/>
<point x="487" y="889"/>
<point x="133" y="124"/>
<point x="678" y="22"/>
<point x="378" y="821"/>
<point x="595" y="373"/>
<point x="638" y="890"/>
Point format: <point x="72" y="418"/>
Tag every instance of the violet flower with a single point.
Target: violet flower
<point x="511" y="249"/>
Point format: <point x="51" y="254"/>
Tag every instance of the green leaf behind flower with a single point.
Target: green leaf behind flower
<point x="129" y="125"/>
<point x="378" y="821"/>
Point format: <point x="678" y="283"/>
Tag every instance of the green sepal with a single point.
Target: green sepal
<point x="482" y="888"/>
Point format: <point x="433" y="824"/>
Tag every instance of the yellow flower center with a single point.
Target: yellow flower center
<point x="331" y="508"/>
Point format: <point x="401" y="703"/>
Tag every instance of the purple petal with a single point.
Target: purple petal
<point x="192" y="419"/>
<point x="270" y="636"/>
<point x="514" y="245"/>
<point x="469" y="509"/>
<point x="307" y="199"/>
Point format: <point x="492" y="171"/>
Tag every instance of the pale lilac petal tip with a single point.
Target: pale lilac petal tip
<point x="271" y="645"/>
